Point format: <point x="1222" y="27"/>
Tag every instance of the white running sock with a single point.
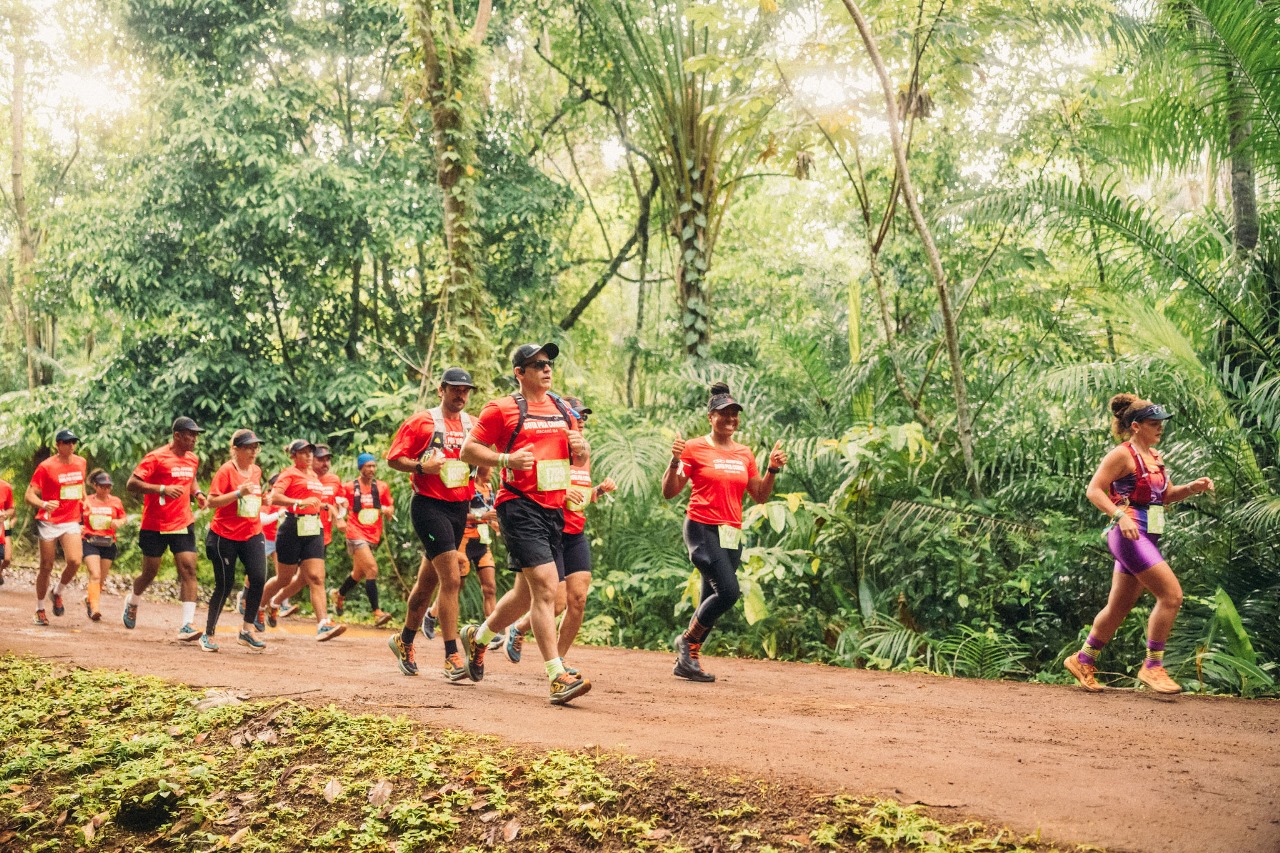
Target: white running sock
<point x="188" y="612"/>
<point x="133" y="599"/>
<point x="40" y="605"/>
<point x="57" y="587"/>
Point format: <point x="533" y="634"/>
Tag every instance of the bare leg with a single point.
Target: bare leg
<point x="284" y="577"/>
<point x="1168" y="592"/>
<point x="188" y="586"/>
<point x="1125" y="592"/>
<point x="576" y="587"/>
<point x="312" y="572"/>
<point x="449" y="574"/>
<point x="488" y="589"/>
<point x="535" y="592"/>
<point x="48" y="553"/>
<point x="150" y="566"/>
<point x="73" y="550"/>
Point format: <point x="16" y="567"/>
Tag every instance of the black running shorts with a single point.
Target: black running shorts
<point x="292" y="549"/>
<point x="439" y="524"/>
<point x="154" y="543"/>
<point x="105" y="552"/>
<point x="532" y="533"/>
<point x="575" y="555"/>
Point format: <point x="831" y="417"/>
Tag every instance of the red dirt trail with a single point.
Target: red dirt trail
<point x="1125" y="770"/>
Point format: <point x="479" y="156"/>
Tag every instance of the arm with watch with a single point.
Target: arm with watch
<point x="760" y="488"/>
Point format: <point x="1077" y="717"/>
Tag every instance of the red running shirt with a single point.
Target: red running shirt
<point x="239" y="520"/>
<point x="545" y="432"/>
<point x="330" y="487"/>
<point x="412" y="440"/>
<point x="6" y="503"/>
<point x="98" y="516"/>
<point x="162" y="467"/>
<point x="719" y="477"/>
<point x="358" y="531"/>
<point x="295" y="484"/>
<point x="580" y="494"/>
<point x="63" y="482"/>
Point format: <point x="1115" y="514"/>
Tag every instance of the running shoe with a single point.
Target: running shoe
<point x="497" y="642"/>
<point x="88" y="609"/>
<point x="455" y="668"/>
<point x="339" y="601"/>
<point x="1157" y="678"/>
<point x="403" y="653"/>
<point x="240" y="602"/>
<point x="258" y="624"/>
<point x="207" y="644"/>
<point x="568" y="668"/>
<point x="42" y="619"/>
<point x="565" y="688"/>
<point x="130" y="616"/>
<point x="380" y="618"/>
<point x="273" y="615"/>
<point x="244" y="638"/>
<point x="473" y="651"/>
<point x="328" y="630"/>
<point x="58" y="608"/>
<point x="1083" y="673"/>
<point x="429" y="624"/>
<point x="688" y="663"/>
<point x="288" y="609"/>
<point x="514" y="644"/>
<point x="186" y="633"/>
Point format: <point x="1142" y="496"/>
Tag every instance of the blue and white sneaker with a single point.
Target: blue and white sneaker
<point x="514" y="644"/>
<point x="429" y="624"/>
<point x="207" y="644"/>
<point x="240" y="602"/>
<point x="244" y="638"/>
<point x="328" y="630"/>
<point x="186" y="633"/>
<point x="130" y="616"/>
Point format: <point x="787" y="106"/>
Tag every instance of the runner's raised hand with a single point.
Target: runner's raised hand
<point x="777" y="456"/>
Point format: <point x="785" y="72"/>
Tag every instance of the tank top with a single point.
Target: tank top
<point x="1143" y="487"/>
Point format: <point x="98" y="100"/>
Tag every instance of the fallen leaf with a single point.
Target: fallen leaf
<point x="657" y="834"/>
<point x="62" y="818"/>
<point x="268" y="736"/>
<point x="237" y="739"/>
<point x="202" y="737"/>
<point x="490" y="816"/>
<point x="478" y="805"/>
<point x="563" y="791"/>
<point x="332" y="791"/>
<point x="18" y="789"/>
<point x="174" y="731"/>
<point x="586" y="807"/>
<point x="88" y="831"/>
<point x="510" y="830"/>
<point x="237" y="836"/>
<point x="380" y="793"/>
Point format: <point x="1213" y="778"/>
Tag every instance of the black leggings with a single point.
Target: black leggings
<point x="719" y="568"/>
<point x="223" y="553"/>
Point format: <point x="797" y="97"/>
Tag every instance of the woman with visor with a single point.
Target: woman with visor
<point x="235" y="533"/>
<point x="103" y="516"/>
<point x="1132" y="487"/>
<point x="721" y="470"/>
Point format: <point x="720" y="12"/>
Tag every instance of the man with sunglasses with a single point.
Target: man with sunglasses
<point x="535" y="439"/>
<point x="57" y="494"/>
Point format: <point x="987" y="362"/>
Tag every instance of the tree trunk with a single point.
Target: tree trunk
<point x="1244" y="198"/>
<point x="24" y="262"/>
<point x="693" y="244"/>
<point x="353" y="333"/>
<point x="964" y="427"/>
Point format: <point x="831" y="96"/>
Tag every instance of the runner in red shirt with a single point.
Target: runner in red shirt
<point x="103" y="515"/>
<point x="574" y="564"/>
<point x="6" y="531"/>
<point x="370" y="502"/>
<point x="721" y="470"/>
<point x="428" y="446"/>
<point x="166" y="478"/>
<point x="336" y="515"/>
<point x="56" y="493"/>
<point x="300" y="539"/>
<point x="235" y="533"/>
<point x="535" y="438"/>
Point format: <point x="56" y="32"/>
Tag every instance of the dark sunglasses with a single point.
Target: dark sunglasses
<point x="540" y="364"/>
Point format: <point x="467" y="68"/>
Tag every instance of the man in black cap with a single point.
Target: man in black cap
<point x="166" y="478"/>
<point x="57" y="494"/>
<point x="534" y="438"/>
<point x="427" y="447"/>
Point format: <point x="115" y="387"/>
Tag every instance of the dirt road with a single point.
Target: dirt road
<point x="1125" y="770"/>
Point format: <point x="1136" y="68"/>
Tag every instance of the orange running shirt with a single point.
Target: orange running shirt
<point x="298" y="485"/>
<point x="356" y="530"/>
<point x="719" y="477"/>
<point x="239" y="520"/>
<point x="412" y="440"/>
<point x="330" y="488"/>
<point x="162" y="467"/>
<point x="98" y="516"/>
<point x="545" y="432"/>
<point x="63" y="482"/>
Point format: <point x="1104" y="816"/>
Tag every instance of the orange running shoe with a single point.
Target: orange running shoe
<point x="380" y="618"/>
<point x="1083" y="672"/>
<point x="1158" y="680"/>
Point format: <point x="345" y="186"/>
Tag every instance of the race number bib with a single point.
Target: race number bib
<point x="455" y="473"/>
<point x="553" y="475"/>
<point x="98" y="521"/>
<point x="730" y="537"/>
<point x="578" y="497"/>
<point x="248" y="506"/>
<point x="309" y="525"/>
<point x="1155" y="519"/>
<point x="367" y="517"/>
<point x="71" y="492"/>
<point x="486" y="537"/>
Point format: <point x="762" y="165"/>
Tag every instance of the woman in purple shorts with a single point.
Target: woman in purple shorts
<point x="1132" y="487"/>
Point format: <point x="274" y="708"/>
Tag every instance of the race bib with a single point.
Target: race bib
<point x="577" y="498"/>
<point x="730" y="537"/>
<point x="248" y="506"/>
<point x="71" y="492"/>
<point x="309" y="525"/>
<point x="100" y="522"/>
<point x="1155" y="519"/>
<point x="486" y="537"/>
<point x="367" y="517"/>
<point x="553" y="475"/>
<point x="455" y="473"/>
<point x="177" y="531"/>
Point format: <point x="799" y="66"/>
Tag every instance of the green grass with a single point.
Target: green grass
<point x="111" y="761"/>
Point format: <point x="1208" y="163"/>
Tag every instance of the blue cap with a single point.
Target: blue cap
<point x="364" y="459"/>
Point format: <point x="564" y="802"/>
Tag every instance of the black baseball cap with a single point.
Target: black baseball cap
<point x="300" y="444"/>
<point x="722" y="401"/>
<point x="323" y="451"/>
<point x="66" y="435"/>
<point x="577" y="405"/>
<point x="103" y="479"/>
<point x="245" y="439"/>
<point x="1154" y="412"/>
<point x="457" y="376"/>
<point x="185" y="424"/>
<point x="524" y="352"/>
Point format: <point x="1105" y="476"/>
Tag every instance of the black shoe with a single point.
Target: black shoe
<point x="429" y="623"/>
<point x="688" y="665"/>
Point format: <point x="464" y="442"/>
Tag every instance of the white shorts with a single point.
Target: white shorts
<point x="47" y="531"/>
<point x="354" y="545"/>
